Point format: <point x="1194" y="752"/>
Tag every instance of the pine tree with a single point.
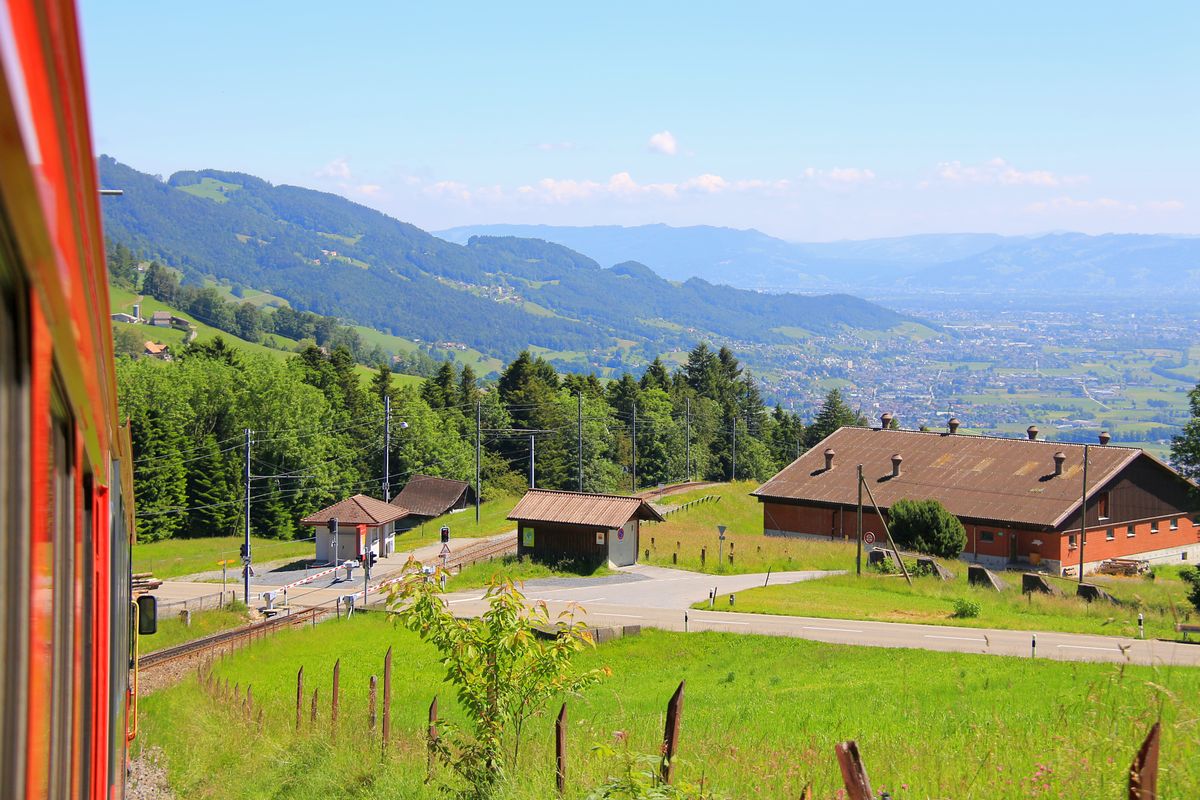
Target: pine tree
<point x="381" y="382"/>
<point x="160" y="480"/>
<point x="213" y="505"/>
<point x="1185" y="448"/>
<point x="834" y="414"/>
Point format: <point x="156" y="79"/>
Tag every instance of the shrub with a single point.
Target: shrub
<point x="927" y="527"/>
<point x="965" y="609"/>
<point x="1191" y="576"/>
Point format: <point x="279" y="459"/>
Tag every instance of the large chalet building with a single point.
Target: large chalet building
<point x="1019" y="499"/>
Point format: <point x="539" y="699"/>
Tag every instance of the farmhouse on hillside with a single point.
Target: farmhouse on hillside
<point x="593" y="528"/>
<point x="364" y="525"/>
<point x="427" y="497"/>
<point x="1019" y="499"/>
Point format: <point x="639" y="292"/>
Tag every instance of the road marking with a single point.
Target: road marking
<point x="627" y="616"/>
<point x="819" y="628"/>
<point x="565" y="600"/>
<point x="723" y="622"/>
<point x="464" y="600"/>
<point x="958" y="638"/>
<point x="1086" y="647"/>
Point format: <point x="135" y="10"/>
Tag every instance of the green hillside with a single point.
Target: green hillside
<point x="489" y="298"/>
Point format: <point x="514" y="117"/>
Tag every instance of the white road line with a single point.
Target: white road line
<point x="464" y="600"/>
<point x="565" y="600"/>
<point x="627" y="616"/>
<point x="958" y="638"/>
<point x="1086" y="647"/>
<point x="819" y="628"/>
<point x="722" y="622"/>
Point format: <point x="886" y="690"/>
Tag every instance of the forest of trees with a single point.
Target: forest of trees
<point x="318" y="431"/>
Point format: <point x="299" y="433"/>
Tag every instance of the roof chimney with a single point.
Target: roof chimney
<point x="953" y="424"/>
<point x="1032" y="431"/>
<point x="897" y="459"/>
<point x="829" y="458"/>
<point x="886" y="420"/>
<point x="1104" y="438"/>
<point x="1059" y="458"/>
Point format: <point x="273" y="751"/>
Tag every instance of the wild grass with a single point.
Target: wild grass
<point x="887" y="598"/>
<point x="521" y="569"/>
<point x="678" y="541"/>
<point x="761" y="716"/>
<point x="171" y="558"/>
<point x="172" y="631"/>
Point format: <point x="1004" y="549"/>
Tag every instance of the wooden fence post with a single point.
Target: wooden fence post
<point x="431" y="741"/>
<point x="1143" y="772"/>
<point x="387" y="698"/>
<point x="312" y="719"/>
<point x="333" y="705"/>
<point x="671" y="734"/>
<point x="371" y="706"/>
<point x="854" y="774"/>
<point x="560" y="750"/>
<point x="299" y="695"/>
<point x="249" y="703"/>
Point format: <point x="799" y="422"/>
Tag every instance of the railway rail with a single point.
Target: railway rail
<point x="227" y="639"/>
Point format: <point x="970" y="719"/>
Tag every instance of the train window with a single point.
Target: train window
<point x="62" y="529"/>
<point x="14" y="513"/>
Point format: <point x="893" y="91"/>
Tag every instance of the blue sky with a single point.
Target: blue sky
<point x="848" y="120"/>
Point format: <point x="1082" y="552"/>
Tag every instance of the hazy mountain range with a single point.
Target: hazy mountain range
<point x="324" y="253"/>
<point x="961" y="262"/>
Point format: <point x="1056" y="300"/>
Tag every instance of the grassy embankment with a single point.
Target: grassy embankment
<point x="685" y="533"/>
<point x="172" y="631"/>
<point x="886" y="598"/>
<point x="760" y="719"/>
<point x="171" y="558"/>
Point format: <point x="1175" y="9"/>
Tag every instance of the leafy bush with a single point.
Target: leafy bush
<point x="927" y="527"/>
<point x="1191" y="576"/>
<point x="637" y="778"/>
<point x="966" y="609"/>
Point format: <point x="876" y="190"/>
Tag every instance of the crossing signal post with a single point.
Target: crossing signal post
<point x="333" y="539"/>
<point x="445" y="554"/>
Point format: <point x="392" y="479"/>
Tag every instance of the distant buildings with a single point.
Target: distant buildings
<point x="159" y="351"/>
<point x="1019" y="499"/>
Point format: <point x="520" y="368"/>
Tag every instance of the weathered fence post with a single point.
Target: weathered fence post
<point x="333" y="703"/>
<point x="387" y="698"/>
<point x="371" y="706"/>
<point x="299" y="695"/>
<point x="854" y="774"/>
<point x="312" y="718"/>
<point x="702" y="554"/>
<point x="431" y="741"/>
<point x="1143" y="772"/>
<point x="560" y="750"/>
<point x="249" y="703"/>
<point x="671" y="734"/>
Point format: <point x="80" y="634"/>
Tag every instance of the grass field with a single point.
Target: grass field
<point x="171" y="558"/>
<point x="172" y="631"/>
<point x="887" y="598"/>
<point x="761" y="717"/>
<point x="492" y="521"/>
<point x="685" y="533"/>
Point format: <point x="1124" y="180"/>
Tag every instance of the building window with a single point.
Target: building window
<point x="1174" y="524"/>
<point x="987" y="536"/>
<point x="1129" y="534"/>
<point x="1154" y="526"/>
<point x="1071" y="541"/>
<point x="1102" y="505"/>
<point x="1110" y="534"/>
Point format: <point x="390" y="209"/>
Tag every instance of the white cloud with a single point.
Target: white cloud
<point x="851" y="175"/>
<point x="338" y="168"/>
<point x="663" y="142"/>
<point x="997" y="171"/>
<point x="1165" y="205"/>
<point x="547" y="147"/>
<point x="708" y="183"/>
<point x="369" y="189"/>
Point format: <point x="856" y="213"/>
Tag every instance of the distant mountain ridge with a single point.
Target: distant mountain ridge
<point x="327" y="254"/>
<point x="960" y="262"/>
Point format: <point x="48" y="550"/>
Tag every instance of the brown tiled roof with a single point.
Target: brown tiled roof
<point x="975" y="477"/>
<point x="580" y="508"/>
<point x="427" y="496"/>
<point x="357" y="510"/>
<point x="154" y="348"/>
<point x="161" y="315"/>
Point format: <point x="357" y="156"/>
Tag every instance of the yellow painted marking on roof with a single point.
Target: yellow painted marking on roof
<point x="943" y="460"/>
<point x="1026" y="468"/>
<point x="983" y="464"/>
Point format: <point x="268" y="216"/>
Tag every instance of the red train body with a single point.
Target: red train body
<point x="65" y="471"/>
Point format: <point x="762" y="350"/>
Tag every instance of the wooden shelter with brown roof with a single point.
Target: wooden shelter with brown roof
<point x="1019" y="499"/>
<point x="594" y="528"/>
<point x="364" y="525"/>
<point x="427" y="497"/>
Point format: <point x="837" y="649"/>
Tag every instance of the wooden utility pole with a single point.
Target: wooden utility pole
<point x="858" y="554"/>
<point x="1083" y="513"/>
<point x="671" y="734"/>
<point x="477" y="471"/>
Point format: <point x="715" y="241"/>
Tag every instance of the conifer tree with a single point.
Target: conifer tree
<point x="213" y="506"/>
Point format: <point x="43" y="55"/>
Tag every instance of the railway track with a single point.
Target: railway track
<point x="229" y="639"/>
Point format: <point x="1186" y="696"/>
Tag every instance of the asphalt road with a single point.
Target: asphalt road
<point x="661" y="598"/>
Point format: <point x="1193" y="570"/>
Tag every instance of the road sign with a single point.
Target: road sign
<point x="721" y="531"/>
<point x="869" y="537"/>
<point x="445" y="551"/>
<point x="621" y="534"/>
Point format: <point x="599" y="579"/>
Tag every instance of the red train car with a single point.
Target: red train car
<point x="65" y="474"/>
